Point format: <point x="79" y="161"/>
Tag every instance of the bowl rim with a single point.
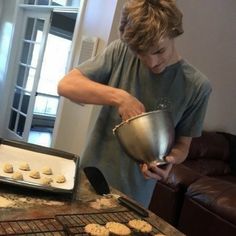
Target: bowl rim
<point x="137" y="116"/>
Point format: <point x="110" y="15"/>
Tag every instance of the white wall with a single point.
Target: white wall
<point x="74" y="121"/>
<point x="209" y="42"/>
<point x="7" y="9"/>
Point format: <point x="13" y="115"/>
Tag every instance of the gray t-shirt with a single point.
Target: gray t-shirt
<point x="183" y="89"/>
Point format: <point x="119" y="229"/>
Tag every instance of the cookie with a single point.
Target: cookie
<point x="96" y="230"/>
<point x="141" y="227"/>
<point x="118" y="229"/>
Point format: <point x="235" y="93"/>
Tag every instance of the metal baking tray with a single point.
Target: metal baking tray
<point x="61" y="163"/>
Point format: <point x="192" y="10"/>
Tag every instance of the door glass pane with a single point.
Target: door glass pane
<point x="38" y="35"/>
<point x="30" y="79"/>
<point x="16" y="100"/>
<point x="43" y="2"/>
<point x="36" y="51"/>
<point x="25" y="103"/>
<point x="25" y="52"/>
<point x="12" y="122"/>
<point x="21" y="125"/>
<point x="29" y="28"/>
<point x="21" y="76"/>
<point x="30" y="2"/>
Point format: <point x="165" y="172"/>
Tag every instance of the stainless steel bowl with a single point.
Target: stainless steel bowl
<point x="147" y="137"/>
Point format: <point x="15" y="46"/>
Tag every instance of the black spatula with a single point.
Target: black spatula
<point x="97" y="180"/>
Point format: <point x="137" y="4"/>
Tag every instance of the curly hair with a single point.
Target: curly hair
<point x="145" y="22"/>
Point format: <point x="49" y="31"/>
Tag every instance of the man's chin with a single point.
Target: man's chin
<point x="158" y="70"/>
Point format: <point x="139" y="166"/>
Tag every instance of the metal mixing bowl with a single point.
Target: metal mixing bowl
<point x="147" y="137"/>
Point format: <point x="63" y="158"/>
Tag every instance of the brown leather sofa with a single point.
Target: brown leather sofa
<point x="199" y="196"/>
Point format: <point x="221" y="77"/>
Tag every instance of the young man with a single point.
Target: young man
<point x="132" y="76"/>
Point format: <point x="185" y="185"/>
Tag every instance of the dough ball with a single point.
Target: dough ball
<point x="24" y="166"/>
<point x="8" y="168"/>
<point x="46" y="181"/>
<point x="118" y="228"/>
<point x="47" y="170"/>
<point x="17" y="176"/>
<point x="96" y="230"/>
<point x="34" y="174"/>
<point x="140" y="226"/>
<point x="60" y="179"/>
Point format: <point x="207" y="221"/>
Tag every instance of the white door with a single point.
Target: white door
<point x="35" y="27"/>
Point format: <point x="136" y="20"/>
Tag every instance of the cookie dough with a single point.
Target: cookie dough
<point x="46" y="181"/>
<point x="60" y="179"/>
<point x="34" y="174"/>
<point x="8" y="168"/>
<point x="24" y="166"/>
<point x="47" y="170"/>
<point x="17" y="176"/>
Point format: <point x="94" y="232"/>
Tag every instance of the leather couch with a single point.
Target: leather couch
<point x="199" y="196"/>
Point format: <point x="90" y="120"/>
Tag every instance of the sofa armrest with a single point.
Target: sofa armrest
<point x="168" y="196"/>
<point x="182" y="176"/>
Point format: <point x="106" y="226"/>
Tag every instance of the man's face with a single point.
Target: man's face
<point x="160" y="56"/>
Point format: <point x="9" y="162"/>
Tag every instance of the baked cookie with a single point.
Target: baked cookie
<point x="96" y="230"/>
<point x="34" y="174"/>
<point x="60" y="179"/>
<point x="8" y="168"/>
<point x="17" y="176"/>
<point x="24" y="166"/>
<point x="118" y="229"/>
<point x="141" y="227"/>
<point x="47" y="170"/>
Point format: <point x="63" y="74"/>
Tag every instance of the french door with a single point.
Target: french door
<point x="35" y="26"/>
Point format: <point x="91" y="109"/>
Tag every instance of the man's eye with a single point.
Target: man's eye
<point x="160" y="51"/>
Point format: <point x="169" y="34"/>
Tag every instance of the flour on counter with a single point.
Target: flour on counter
<point x="103" y="203"/>
<point x="4" y="202"/>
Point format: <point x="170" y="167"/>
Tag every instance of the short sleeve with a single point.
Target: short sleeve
<point x="191" y="123"/>
<point x="100" y="67"/>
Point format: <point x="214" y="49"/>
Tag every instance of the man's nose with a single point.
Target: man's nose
<point x="152" y="60"/>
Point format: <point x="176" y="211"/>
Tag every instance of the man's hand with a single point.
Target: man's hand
<point x="129" y="106"/>
<point x="177" y="155"/>
<point x="155" y="171"/>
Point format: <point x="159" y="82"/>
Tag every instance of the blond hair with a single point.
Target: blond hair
<point x="145" y="22"/>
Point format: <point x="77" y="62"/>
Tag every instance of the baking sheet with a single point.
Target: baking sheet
<point x="36" y="161"/>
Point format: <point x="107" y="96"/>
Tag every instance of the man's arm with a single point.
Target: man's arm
<point x="80" y="89"/>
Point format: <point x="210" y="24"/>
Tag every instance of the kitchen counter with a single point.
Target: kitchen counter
<point x="19" y="205"/>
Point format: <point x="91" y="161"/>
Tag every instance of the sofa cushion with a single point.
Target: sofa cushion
<point x="216" y="195"/>
<point x="209" y="167"/>
<point x="211" y="145"/>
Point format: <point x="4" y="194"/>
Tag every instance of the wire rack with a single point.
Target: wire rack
<point x="75" y="223"/>
<point x="35" y="227"/>
<point x="66" y="224"/>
